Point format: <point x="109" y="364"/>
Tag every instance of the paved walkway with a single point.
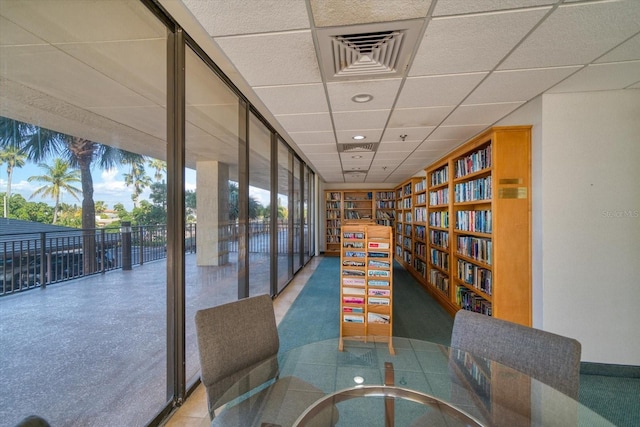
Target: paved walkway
<point x="78" y="352"/>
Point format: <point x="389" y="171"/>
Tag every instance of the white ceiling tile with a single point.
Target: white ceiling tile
<point x="457" y="7"/>
<point x="517" y="86"/>
<point x="610" y="76"/>
<point x="308" y="98"/>
<point x="439" y="144"/>
<point x="437" y="91"/>
<point x="371" y="135"/>
<point x="309" y="122"/>
<point x="395" y="155"/>
<point x="484" y="114"/>
<point x="303" y="138"/>
<point x="319" y="148"/>
<point x="383" y="91"/>
<point x="418" y="117"/>
<point x="274" y="58"/>
<point x="466" y="44"/>
<point x="398" y="146"/>
<point x="369" y="119"/>
<point x="412" y="134"/>
<point x="357" y="158"/>
<point x="577" y="34"/>
<point x="629" y="50"/>
<point x="339" y="12"/>
<point x="635" y="86"/>
<point x="461" y="133"/>
<point x="223" y="17"/>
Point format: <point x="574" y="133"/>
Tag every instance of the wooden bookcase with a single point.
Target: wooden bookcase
<point x="355" y="207"/>
<point x="410" y="226"/>
<point x="479" y="225"/>
<point x="366" y="283"/>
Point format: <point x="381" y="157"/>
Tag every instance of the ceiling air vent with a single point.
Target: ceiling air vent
<point x="357" y="147"/>
<point x="371" y="50"/>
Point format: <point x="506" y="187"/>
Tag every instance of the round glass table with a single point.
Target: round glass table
<point x="422" y="384"/>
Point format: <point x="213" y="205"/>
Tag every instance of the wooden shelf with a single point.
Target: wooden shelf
<point x="366" y="283"/>
<point x="487" y="182"/>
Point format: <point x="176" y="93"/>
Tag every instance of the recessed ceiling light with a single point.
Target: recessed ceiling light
<point x="356" y="157"/>
<point x="362" y="97"/>
<point x="358" y="137"/>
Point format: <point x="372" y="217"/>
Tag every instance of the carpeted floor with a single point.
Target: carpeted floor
<point x="315" y="315"/>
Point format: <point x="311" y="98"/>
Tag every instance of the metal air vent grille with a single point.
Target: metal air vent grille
<point x="353" y="148"/>
<point x="366" y="53"/>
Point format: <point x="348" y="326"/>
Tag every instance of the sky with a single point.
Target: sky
<point x="108" y="186"/>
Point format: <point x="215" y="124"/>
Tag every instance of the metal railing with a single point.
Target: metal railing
<point x="30" y="260"/>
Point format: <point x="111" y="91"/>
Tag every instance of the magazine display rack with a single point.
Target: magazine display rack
<point x="366" y="283"/>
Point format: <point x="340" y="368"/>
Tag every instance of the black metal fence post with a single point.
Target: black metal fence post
<point x="126" y="245"/>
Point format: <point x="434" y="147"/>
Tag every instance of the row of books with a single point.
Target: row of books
<point x="420" y="249"/>
<point x="358" y="196"/>
<point x="475" y="221"/>
<point x="376" y="292"/>
<point x="420" y="214"/>
<point x="439" y="197"/>
<point x="356" y="205"/>
<point x="421" y="199"/>
<point x="386" y="204"/>
<point x="420" y="185"/>
<point x="440" y="176"/>
<point x="439" y="259"/>
<point x="385" y="195"/>
<point x="333" y="196"/>
<point x="473" y="162"/>
<point x="333" y="205"/>
<point x="439" y="280"/>
<point x="406" y="203"/>
<point x="475" y="247"/>
<point x="371" y="318"/>
<point x="420" y="267"/>
<point x="469" y="300"/>
<point x="477" y="189"/>
<point x="475" y="276"/>
<point x="419" y="231"/>
<point x="439" y="238"/>
<point x="370" y="300"/>
<point x="439" y="219"/>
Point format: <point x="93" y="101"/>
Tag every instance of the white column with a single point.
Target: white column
<point x="212" y="202"/>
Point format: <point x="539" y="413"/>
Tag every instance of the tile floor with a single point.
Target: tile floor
<point x="194" y="411"/>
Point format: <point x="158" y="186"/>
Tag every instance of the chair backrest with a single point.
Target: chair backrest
<point x="233" y="338"/>
<point x="545" y="356"/>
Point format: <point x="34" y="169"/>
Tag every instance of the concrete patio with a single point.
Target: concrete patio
<point x="92" y="351"/>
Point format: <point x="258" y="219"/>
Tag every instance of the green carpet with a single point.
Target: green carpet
<point x="315" y="314"/>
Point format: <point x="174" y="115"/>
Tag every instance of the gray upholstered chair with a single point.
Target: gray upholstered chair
<point x="238" y="347"/>
<point x="550" y="358"/>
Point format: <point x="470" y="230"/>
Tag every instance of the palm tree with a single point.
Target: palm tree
<point x="160" y="168"/>
<point x="58" y="178"/>
<point x="14" y="158"/>
<point x="138" y="179"/>
<point x="40" y="144"/>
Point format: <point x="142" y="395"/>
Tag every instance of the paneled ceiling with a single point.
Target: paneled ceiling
<point x="438" y="71"/>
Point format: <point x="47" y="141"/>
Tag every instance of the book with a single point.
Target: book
<point x="378" y="245"/>
<point x="378" y="273"/>
<point x="353" y="291"/>
<point x="353" y="310"/>
<point x="380" y="292"/>
<point x="353" y="318"/>
<point x="353" y="281"/>
<point x="378" y="283"/>
<point x="353" y="300"/>
<point x="378" y="301"/>
<point x="377" y="318"/>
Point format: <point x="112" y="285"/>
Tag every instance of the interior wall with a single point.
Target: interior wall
<point x="591" y="221"/>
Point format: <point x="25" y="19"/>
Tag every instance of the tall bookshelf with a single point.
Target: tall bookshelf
<point x="355" y="207"/>
<point x="333" y="218"/>
<point x="409" y="203"/>
<point x="366" y="283"/>
<point x="419" y="230"/>
<point x="479" y="225"/>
